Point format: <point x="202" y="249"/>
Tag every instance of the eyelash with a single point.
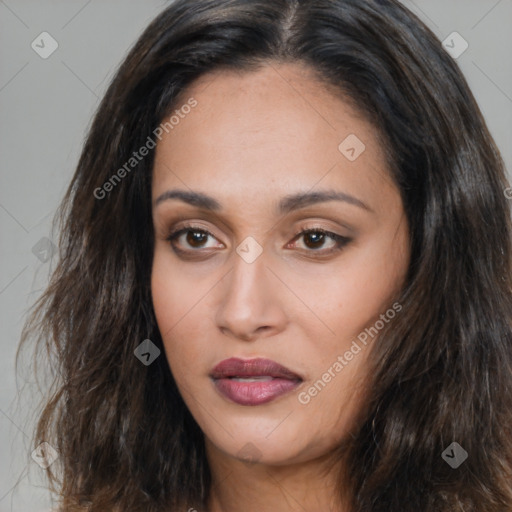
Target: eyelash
<point x="341" y="241"/>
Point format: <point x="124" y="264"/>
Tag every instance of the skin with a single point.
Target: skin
<point x="253" y="138"/>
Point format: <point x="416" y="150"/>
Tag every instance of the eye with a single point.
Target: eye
<point x="314" y="240"/>
<point x="193" y="237"/>
<point x="189" y="239"/>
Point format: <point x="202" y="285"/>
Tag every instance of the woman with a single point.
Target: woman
<point x="285" y="273"/>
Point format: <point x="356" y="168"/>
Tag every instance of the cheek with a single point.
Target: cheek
<point x="366" y="282"/>
<point x="373" y="277"/>
<point x="178" y="309"/>
<point x="170" y="297"/>
<point x="173" y="293"/>
<point x="363" y="293"/>
<point x="164" y="295"/>
<point x="351" y="294"/>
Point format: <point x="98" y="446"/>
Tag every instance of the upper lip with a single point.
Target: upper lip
<point x="235" y="367"/>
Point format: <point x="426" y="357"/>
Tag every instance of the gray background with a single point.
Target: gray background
<point x="46" y="106"/>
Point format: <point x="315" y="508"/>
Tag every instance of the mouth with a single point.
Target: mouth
<point x="253" y="381"/>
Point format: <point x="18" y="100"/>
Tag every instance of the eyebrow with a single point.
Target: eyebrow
<point x="287" y="204"/>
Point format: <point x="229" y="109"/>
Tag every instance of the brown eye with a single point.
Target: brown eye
<point x="190" y="239"/>
<point x="315" y="240"/>
<point x="196" y="238"/>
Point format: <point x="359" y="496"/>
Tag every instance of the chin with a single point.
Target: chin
<point x="281" y="447"/>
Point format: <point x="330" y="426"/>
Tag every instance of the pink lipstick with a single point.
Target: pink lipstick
<point x="253" y="381"/>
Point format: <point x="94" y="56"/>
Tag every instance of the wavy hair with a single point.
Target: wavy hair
<point x="441" y="373"/>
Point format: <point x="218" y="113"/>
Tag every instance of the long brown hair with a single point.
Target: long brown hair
<point x="441" y="374"/>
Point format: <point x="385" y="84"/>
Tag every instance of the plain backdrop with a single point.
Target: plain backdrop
<point x="46" y="105"/>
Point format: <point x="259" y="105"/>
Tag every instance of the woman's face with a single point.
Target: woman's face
<point x="262" y="157"/>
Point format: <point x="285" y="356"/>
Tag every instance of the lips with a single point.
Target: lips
<point x="253" y="381"/>
<point x="259" y="367"/>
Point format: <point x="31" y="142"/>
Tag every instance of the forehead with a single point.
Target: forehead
<point x="274" y="128"/>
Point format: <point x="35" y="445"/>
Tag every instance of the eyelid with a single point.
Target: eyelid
<point x="183" y="223"/>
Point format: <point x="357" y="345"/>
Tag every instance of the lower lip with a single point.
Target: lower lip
<point x="254" y="393"/>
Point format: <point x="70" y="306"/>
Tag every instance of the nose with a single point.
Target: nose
<point x="250" y="306"/>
